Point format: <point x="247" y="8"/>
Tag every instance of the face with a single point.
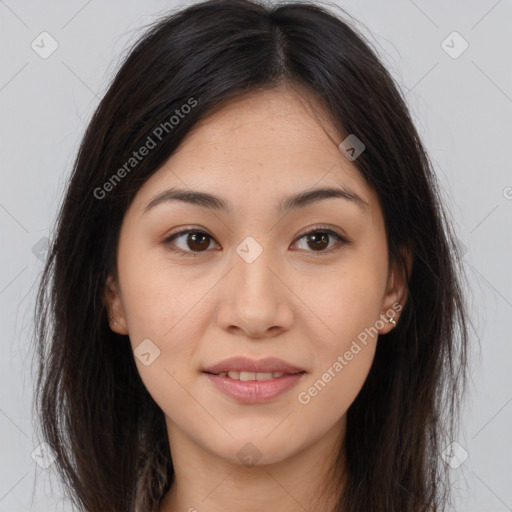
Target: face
<point x="199" y="284"/>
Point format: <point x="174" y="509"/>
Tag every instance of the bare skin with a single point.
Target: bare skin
<point x="300" y="300"/>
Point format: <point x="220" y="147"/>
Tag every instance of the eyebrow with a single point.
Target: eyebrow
<point x="299" y="200"/>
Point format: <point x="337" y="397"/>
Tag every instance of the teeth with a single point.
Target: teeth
<point x="248" y="376"/>
<point x="263" y="376"/>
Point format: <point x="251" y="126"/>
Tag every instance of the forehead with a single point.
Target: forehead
<point x="280" y="120"/>
<point x="260" y="147"/>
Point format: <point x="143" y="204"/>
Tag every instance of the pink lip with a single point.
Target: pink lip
<point x="251" y="392"/>
<point x="238" y="364"/>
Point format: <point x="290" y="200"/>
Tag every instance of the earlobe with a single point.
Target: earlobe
<point x="114" y="307"/>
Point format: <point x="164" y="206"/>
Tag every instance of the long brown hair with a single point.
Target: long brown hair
<point x="107" y="432"/>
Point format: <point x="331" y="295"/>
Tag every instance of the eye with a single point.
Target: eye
<point x="196" y="241"/>
<point x="318" y="239"/>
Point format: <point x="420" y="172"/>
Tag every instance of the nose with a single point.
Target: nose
<point x="257" y="301"/>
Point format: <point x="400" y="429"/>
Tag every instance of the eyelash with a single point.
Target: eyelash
<point x="318" y="229"/>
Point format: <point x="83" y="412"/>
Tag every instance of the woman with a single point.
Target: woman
<point x="252" y="298"/>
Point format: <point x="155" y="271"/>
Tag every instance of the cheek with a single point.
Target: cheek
<point x="159" y="295"/>
<point x="166" y="314"/>
<point x="343" y="357"/>
<point x="349" y="307"/>
<point x="347" y="303"/>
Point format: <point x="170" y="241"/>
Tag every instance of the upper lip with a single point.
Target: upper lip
<point x="266" y="365"/>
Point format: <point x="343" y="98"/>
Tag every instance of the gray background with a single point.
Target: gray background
<point x="462" y="107"/>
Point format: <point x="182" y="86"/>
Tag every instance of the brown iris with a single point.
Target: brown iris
<point x="320" y="240"/>
<point x="202" y="241"/>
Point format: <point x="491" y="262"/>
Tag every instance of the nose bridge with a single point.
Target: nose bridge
<point x="255" y="301"/>
<point x="252" y="261"/>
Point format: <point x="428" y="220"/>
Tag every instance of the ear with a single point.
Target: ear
<point x="396" y="295"/>
<point x="114" y="306"/>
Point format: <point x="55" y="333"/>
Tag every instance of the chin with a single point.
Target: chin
<point x="257" y="449"/>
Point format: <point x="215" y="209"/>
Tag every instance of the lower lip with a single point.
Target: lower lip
<point x="254" y="391"/>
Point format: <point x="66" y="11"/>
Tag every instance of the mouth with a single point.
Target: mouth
<point x="252" y="381"/>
